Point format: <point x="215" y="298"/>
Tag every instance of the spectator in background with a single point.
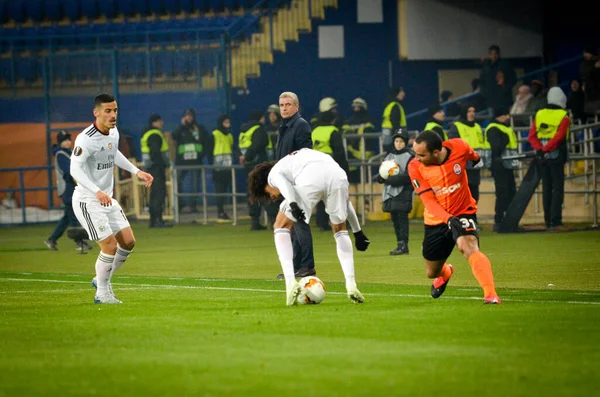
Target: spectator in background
<point x="327" y="138"/>
<point x="192" y="144"/>
<point x="548" y="137"/>
<point x="436" y="113"/>
<point x="359" y="123"/>
<point x="477" y="100"/>
<point x="539" y="97"/>
<point x="470" y="131"/>
<point x="590" y="56"/>
<point x="155" y="155"/>
<point x="222" y="157"/>
<point x="271" y="127"/>
<point x="394" y="117"/>
<point x="65" y="186"/>
<point x="497" y="79"/>
<point x="576" y="101"/>
<point x="328" y="104"/>
<point x="253" y="143"/>
<point x="521" y="101"/>
<point x="503" y="142"/>
<point x="272" y="122"/>
<point x="592" y="90"/>
<point x="452" y="109"/>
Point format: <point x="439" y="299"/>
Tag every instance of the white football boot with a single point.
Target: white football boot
<point x="292" y="292"/>
<point x="354" y="294"/>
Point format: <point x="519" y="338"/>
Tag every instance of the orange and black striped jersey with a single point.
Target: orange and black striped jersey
<point x="448" y="181"/>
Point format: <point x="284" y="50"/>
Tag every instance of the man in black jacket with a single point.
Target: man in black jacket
<point x="295" y="134"/>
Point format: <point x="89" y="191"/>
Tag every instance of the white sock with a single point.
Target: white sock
<point x="353" y="218"/>
<point x="120" y="258"/>
<point x="104" y="265"/>
<point x="285" y="251"/>
<point x="346" y="256"/>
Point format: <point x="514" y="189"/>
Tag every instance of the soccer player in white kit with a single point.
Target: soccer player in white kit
<point x="95" y="154"/>
<point x="304" y="178"/>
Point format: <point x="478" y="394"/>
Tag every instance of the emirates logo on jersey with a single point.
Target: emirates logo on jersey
<point x="457" y="169"/>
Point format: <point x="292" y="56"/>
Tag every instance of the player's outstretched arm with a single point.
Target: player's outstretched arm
<point x="122" y="162"/>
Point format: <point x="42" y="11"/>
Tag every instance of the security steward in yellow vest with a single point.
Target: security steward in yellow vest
<point x="394" y="117"/>
<point x="503" y="142"/>
<point x="155" y="155"/>
<point x="467" y="129"/>
<point x="222" y="157"/>
<point x="253" y="143"/>
<point x="548" y="135"/>
<point x="327" y="138"/>
<point x="437" y="116"/>
<point x="359" y="123"/>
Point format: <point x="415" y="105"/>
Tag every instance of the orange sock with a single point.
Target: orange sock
<point x="445" y="273"/>
<point x="482" y="270"/>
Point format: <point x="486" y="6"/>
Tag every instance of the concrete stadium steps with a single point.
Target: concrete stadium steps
<point x="288" y="24"/>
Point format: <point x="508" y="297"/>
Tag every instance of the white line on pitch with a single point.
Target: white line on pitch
<point x="166" y="286"/>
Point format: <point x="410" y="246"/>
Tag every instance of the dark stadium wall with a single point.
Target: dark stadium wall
<point x="370" y="59"/>
<point x="134" y="110"/>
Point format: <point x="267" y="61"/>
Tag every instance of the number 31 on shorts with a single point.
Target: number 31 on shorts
<point x="468" y="224"/>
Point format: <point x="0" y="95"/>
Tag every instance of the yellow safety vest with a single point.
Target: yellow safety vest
<point x="222" y="151"/>
<point x="164" y="147"/>
<point x="387" y="112"/>
<point x="512" y="146"/>
<point x="472" y="135"/>
<point x="551" y="118"/>
<point x="321" y="138"/>
<point x="245" y="139"/>
<point x="432" y="124"/>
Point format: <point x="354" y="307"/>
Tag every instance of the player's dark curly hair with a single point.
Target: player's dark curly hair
<point x="257" y="182"/>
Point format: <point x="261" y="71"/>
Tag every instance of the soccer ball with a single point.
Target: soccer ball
<point x="313" y="291"/>
<point x="388" y="168"/>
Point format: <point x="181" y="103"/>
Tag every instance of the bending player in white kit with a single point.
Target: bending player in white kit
<point x="95" y="154"/>
<point x="304" y="178"/>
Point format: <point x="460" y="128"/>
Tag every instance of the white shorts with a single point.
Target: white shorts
<point x="100" y="222"/>
<point x="336" y="200"/>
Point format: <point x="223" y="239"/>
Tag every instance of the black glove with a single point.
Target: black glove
<point x="540" y="155"/>
<point x="361" y="241"/>
<point x="297" y="212"/>
<point x="379" y="179"/>
<point x="455" y="226"/>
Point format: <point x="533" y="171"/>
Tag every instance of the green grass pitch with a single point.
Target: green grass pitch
<point x="203" y="315"/>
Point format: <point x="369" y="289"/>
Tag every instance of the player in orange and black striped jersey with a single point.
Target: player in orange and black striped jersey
<point x="439" y="178"/>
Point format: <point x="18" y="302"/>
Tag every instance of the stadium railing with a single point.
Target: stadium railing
<point x="584" y="154"/>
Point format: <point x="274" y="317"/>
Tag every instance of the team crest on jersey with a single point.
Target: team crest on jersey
<point x="457" y="169"/>
<point x="77" y="151"/>
<point x="109" y="146"/>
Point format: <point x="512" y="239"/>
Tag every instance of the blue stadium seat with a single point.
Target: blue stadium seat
<point x="202" y="5"/>
<point x="34" y="11"/>
<point x="16" y="11"/>
<point x="107" y="8"/>
<point x="52" y="10"/>
<point x="89" y="8"/>
<point x="141" y="7"/>
<point x="27" y="69"/>
<point x="157" y="6"/>
<point x="6" y="69"/>
<point x="125" y="7"/>
<point x="185" y="6"/>
<point x="172" y="7"/>
<point x="3" y="11"/>
<point x="72" y="9"/>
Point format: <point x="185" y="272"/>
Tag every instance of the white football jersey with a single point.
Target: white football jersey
<point x="94" y="153"/>
<point x="292" y="165"/>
